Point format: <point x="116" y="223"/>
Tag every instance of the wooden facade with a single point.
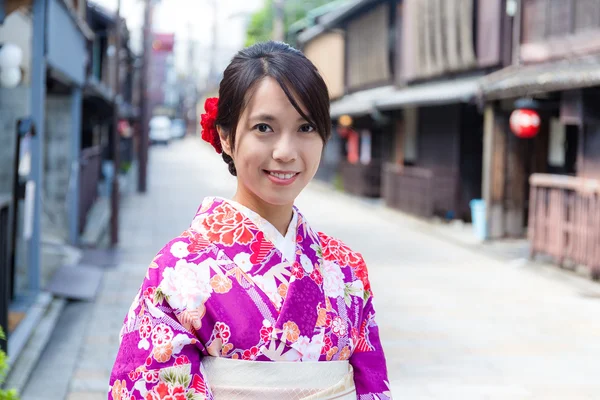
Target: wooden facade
<point x="441" y="40"/>
<point x="558" y="29"/>
<point x="443" y="172"/>
<point x="368" y="49"/>
<point x="327" y="52"/>
<point x="547" y="187"/>
<point x="565" y="220"/>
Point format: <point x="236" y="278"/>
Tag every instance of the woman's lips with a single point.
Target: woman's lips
<point x="282" y="178"/>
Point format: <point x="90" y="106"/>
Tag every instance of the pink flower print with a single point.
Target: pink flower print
<point x="148" y="361"/>
<point x="145" y="327"/>
<point x="222" y="332"/>
<point x="250" y="354"/>
<point x="297" y="270"/>
<point x="134" y="375"/>
<point x="338" y="327"/>
<point x="161" y="334"/>
<point x="182" y="360"/>
<point x="166" y="391"/>
<point x="328" y="320"/>
<point x="354" y="334"/>
<point x="316" y="276"/>
<point x="333" y="279"/>
<point x="149" y="294"/>
<point x="151" y="376"/>
<point x="265" y="333"/>
<point x="327" y="345"/>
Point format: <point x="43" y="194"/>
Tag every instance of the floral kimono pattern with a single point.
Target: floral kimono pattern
<point x="223" y="289"/>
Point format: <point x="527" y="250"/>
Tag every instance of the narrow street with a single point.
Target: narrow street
<point x="455" y="324"/>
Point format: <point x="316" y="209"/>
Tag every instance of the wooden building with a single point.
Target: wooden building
<point x="557" y="67"/>
<point x="353" y="48"/>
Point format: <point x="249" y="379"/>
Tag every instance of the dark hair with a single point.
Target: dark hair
<point x="296" y="75"/>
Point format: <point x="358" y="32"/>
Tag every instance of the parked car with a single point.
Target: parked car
<point x="160" y="130"/>
<point x="178" y="128"/>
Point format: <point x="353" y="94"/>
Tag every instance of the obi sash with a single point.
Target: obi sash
<point x="264" y="380"/>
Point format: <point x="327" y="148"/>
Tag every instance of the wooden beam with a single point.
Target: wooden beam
<point x="494" y="164"/>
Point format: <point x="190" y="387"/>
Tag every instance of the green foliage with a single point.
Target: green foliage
<point x="5" y="394"/>
<point x="261" y="22"/>
<point x="261" y="25"/>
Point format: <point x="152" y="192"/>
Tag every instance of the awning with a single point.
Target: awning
<point x="427" y="94"/>
<point x="334" y="18"/>
<point x="542" y="78"/>
<point x="360" y="103"/>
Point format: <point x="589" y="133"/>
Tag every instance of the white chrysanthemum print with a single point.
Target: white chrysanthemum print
<point x="306" y="264"/>
<point x="179" y="250"/>
<point x="242" y="260"/>
<point x="333" y="279"/>
<point x="309" y="349"/>
<point x="187" y="285"/>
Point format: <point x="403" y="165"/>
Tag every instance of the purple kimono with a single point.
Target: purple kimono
<point x="223" y="289"/>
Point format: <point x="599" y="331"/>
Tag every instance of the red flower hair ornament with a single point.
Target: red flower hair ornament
<point x="208" y="119"/>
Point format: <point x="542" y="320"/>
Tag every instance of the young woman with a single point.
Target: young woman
<point x="250" y="302"/>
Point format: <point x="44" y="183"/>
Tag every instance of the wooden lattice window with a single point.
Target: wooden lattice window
<point x="587" y="15"/>
<point x="534" y="20"/>
<point x="560" y="18"/>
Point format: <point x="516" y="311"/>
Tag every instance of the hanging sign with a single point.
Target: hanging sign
<point x="525" y="123"/>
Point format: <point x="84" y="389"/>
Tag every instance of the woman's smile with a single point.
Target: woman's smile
<point x="282" y="178"/>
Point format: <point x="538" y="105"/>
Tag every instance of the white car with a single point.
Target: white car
<point x="177" y="129"/>
<point x="160" y="130"/>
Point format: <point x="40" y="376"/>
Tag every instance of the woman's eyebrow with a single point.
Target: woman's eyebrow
<point x="263" y="117"/>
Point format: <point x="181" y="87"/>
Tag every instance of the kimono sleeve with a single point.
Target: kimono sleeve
<point x="368" y="360"/>
<point x="158" y="357"/>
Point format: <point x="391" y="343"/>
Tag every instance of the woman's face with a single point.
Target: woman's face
<point x="277" y="152"/>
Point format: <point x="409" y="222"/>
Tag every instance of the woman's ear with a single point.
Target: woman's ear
<point x="225" y="145"/>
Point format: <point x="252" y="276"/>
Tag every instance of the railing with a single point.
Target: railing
<point x="89" y="176"/>
<point x="409" y="189"/>
<point x="564" y="220"/>
<point x="6" y="279"/>
<point x="360" y="179"/>
<point x="420" y="191"/>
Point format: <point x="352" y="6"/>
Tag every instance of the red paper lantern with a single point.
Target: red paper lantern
<point x="525" y="123"/>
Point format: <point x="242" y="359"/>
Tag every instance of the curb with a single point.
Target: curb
<point x="30" y="338"/>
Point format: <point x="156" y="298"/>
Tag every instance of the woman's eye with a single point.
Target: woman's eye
<point x="307" y="128"/>
<point x="263" y="128"/>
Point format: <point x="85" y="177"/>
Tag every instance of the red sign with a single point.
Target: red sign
<point x="525" y="123"/>
<point x="163" y="42"/>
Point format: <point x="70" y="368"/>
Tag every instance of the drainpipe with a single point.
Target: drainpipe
<point x="33" y="196"/>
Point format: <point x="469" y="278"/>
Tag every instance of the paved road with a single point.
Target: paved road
<point x="455" y="324"/>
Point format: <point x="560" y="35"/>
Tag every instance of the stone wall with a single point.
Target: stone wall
<point x="57" y="166"/>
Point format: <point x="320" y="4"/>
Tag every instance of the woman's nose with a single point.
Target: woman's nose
<point x="285" y="149"/>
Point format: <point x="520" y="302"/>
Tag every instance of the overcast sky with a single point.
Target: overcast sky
<point x="192" y="19"/>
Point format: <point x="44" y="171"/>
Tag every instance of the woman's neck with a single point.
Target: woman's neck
<point x="278" y="216"/>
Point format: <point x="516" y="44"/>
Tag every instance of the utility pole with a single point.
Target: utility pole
<point x="116" y="142"/>
<point x="278" y="21"/>
<point x="144" y="106"/>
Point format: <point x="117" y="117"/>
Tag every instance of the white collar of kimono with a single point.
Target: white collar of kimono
<point x="285" y="244"/>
